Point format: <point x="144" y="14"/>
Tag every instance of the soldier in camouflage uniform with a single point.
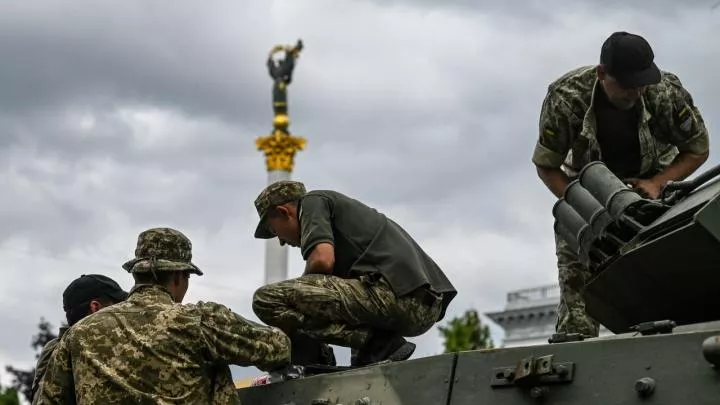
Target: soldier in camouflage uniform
<point x="87" y="294"/>
<point x="640" y="121"/>
<point x="366" y="285"/>
<point x="151" y="348"/>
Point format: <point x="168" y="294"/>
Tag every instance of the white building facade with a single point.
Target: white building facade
<point x="530" y="316"/>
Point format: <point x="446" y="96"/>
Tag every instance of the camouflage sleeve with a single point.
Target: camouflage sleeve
<point x="315" y="224"/>
<point x="232" y="339"/>
<point x="41" y="366"/>
<point x="684" y="125"/>
<point x="555" y="132"/>
<point x="57" y="386"/>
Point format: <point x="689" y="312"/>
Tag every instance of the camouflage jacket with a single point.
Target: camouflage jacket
<point x="150" y="350"/>
<point x="42" y="363"/>
<point x="670" y="123"/>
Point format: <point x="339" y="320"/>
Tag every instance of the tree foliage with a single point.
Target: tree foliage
<point x="466" y="333"/>
<point x="9" y="396"/>
<point x="22" y="379"/>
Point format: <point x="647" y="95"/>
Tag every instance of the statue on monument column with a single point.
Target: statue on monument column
<point x="279" y="146"/>
<point x="281" y="73"/>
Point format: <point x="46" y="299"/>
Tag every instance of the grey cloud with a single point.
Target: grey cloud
<point x="548" y="11"/>
<point x="372" y="126"/>
<point x="376" y="126"/>
<point x="132" y="52"/>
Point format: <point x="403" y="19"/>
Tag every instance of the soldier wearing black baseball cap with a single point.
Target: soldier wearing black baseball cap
<point x="627" y="113"/>
<point x="85" y="295"/>
<point x="630" y="60"/>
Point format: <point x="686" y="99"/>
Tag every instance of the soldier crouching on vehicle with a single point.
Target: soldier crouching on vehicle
<point x="151" y="348"/>
<point x="367" y="283"/>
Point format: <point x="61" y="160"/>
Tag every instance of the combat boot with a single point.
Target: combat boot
<point x="306" y="351"/>
<point x="382" y="346"/>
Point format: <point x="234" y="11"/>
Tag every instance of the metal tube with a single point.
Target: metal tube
<point x="575" y="226"/>
<point x="587" y="206"/>
<point x="609" y="190"/>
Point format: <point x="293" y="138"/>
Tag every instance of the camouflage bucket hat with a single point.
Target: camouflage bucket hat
<point x="162" y="249"/>
<point x="275" y="194"/>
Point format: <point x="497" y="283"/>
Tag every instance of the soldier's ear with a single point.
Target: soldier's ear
<point x="600" y="72"/>
<point x="283" y="211"/>
<point x="95" y="306"/>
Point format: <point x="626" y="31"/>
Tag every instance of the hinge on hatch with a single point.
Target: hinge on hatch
<point x="533" y="371"/>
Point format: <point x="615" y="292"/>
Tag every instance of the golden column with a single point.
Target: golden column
<point x="279" y="147"/>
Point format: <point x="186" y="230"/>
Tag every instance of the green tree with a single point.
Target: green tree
<point x="9" y="396"/>
<point x="466" y="333"/>
<point x="22" y="379"/>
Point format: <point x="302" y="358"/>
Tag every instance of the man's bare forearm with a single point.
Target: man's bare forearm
<point x="683" y="166"/>
<point x="555" y="179"/>
<point x="317" y="267"/>
<point x="321" y="260"/>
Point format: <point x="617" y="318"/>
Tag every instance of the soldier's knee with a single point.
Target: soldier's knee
<point x="260" y="301"/>
<point x="257" y="308"/>
<point x="268" y="293"/>
<point x="266" y="299"/>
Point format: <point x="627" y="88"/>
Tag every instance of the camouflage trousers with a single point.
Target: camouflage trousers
<point x="572" y="276"/>
<point x="342" y="312"/>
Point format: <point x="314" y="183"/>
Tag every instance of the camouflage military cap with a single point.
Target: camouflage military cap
<point x="162" y="249"/>
<point x="275" y="194"/>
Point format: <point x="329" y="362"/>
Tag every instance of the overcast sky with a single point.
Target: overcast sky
<point x="120" y="116"/>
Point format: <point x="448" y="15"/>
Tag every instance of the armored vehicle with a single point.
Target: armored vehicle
<point x="655" y="284"/>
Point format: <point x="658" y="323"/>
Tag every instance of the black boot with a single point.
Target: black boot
<point x="306" y="351"/>
<point x="383" y="346"/>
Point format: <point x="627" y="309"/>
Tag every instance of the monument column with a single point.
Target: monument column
<point x="279" y="148"/>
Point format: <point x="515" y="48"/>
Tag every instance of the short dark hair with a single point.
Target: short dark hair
<point x="158" y="277"/>
<point x="78" y="312"/>
<point x="273" y="211"/>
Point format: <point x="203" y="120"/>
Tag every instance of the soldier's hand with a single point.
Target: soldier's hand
<point x="647" y="188"/>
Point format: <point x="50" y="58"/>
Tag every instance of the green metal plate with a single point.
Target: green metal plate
<point x="424" y="381"/>
<point x="673" y="277"/>
<point x="604" y="372"/>
<point x="709" y="217"/>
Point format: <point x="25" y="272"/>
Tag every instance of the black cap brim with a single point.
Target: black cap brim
<point x="119" y="296"/>
<point x="645" y="77"/>
<point x="262" y="231"/>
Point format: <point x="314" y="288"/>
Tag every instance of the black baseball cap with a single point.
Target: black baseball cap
<point x="90" y="286"/>
<point x="630" y="60"/>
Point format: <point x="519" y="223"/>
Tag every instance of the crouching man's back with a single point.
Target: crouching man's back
<point x="151" y="349"/>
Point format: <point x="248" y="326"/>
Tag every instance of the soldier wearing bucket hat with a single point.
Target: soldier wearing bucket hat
<point x="367" y="284"/>
<point x="626" y="112"/>
<point x="159" y="349"/>
<point x="162" y="250"/>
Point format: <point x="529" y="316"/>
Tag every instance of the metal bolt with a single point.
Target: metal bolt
<point x="645" y="386"/>
<point x="561" y="370"/>
<point x="711" y="350"/>
<point x="539" y="392"/>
